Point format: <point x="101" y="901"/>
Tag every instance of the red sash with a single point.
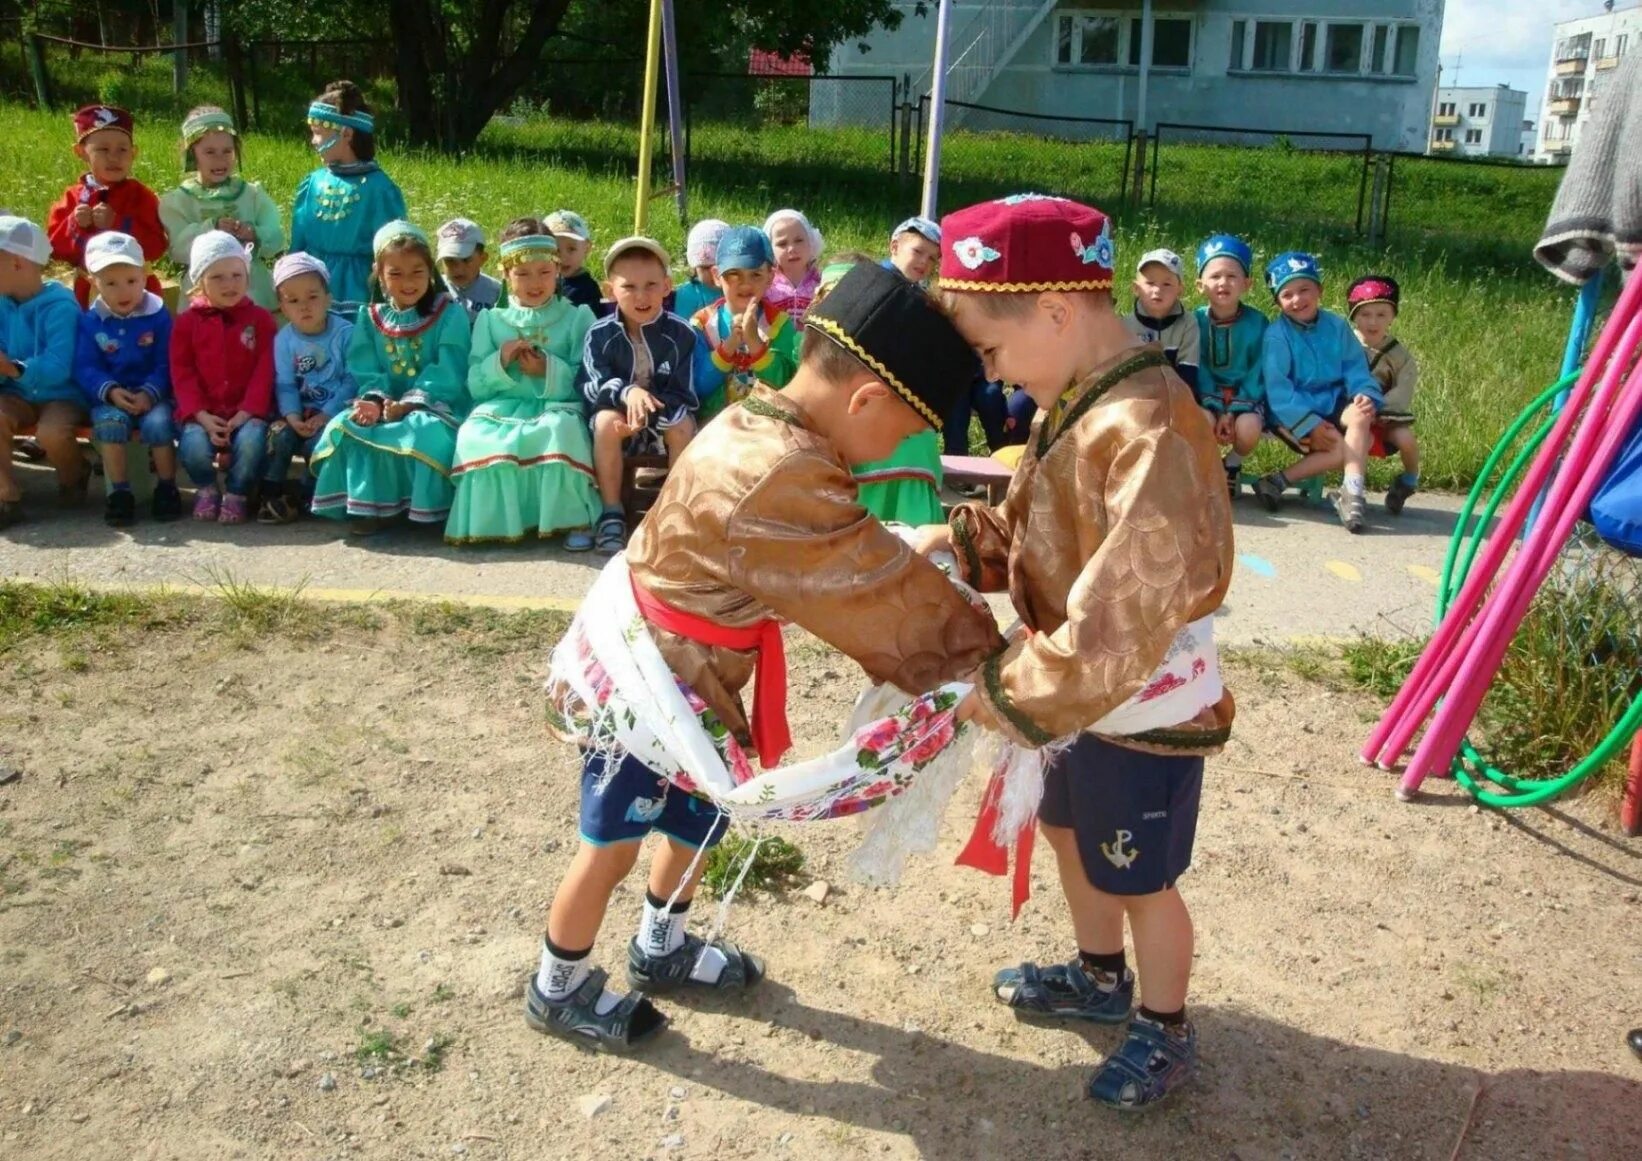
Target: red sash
<point x="771" y="737"/>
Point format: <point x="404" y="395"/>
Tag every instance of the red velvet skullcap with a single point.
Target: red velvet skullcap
<point x="1026" y="242"/>
<point x="90" y="118"/>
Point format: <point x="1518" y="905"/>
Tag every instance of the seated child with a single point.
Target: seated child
<point x="758" y="521"/>
<point x="390" y="453"/>
<point x="123" y="365"/>
<point x="746" y="340"/>
<point x="1230" y="335"/>
<point x="1120" y="801"/>
<point x="638" y="373"/>
<point x="524" y="461"/>
<point x="915" y="249"/>
<point x="905" y="487"/>
<point x="214" y="197"/>
<point x="701" y="251"/>
<point x="106" y="197"/>
<point x="1373" y="303"/>
<point x="1159" y="317"/>
<point x="462" y="257"/>
<point x="1319" y="392"/>
<point x="222" y="372"/>
<point x="312" y="383"/>
<point x="39" y="323"/>
<point x="575" y="239"/>
<point x="795" y="246"/>
<point x="340" y="206"/>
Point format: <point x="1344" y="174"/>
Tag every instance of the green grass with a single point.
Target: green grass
<point x="777" y="864"/>
<point x="1486" y="323"/>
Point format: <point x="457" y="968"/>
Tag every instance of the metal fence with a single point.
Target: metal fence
<point x="1513" y="197"/>
<point x="1245" y="173"/>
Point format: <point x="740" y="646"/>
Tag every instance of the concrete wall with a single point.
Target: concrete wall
<point x="1395" y="111"/>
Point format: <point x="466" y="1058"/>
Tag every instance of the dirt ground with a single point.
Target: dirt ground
<point x="277" y="896"/>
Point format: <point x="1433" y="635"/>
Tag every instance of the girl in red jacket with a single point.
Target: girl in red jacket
<point x="222" y="374"/>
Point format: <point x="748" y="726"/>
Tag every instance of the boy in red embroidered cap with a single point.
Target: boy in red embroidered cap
<point x="106" y="196"/>
<point x="1372" y="305"/>
<point x="1115" y="544"/>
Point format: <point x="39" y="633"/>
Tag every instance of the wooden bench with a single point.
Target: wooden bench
<point x="639" y="492"/>
<point x="980" y="471"/>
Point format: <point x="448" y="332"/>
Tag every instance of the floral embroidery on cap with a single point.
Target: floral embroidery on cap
<point x="974" y="253"/>
<point x="1018" y="199"/>
<point x="1099" y="251"/>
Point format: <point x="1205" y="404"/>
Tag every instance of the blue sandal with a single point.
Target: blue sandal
<point x="1065" y="990"/>
<point x="610" y="533"/>
<point x="1152" y="1063"/>
<point x="627" y="1025"/>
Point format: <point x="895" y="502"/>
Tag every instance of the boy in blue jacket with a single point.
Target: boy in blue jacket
<point x="1319" y="390"/>
<point x="122" y="362"/>
<point x="39" y="322"/>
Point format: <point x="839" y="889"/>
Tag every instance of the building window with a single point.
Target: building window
<point x="1443" y="135"/>
<point x="1308" y="47"/>
<point x="1620" y="43"/>
<point x="1599" y="51"/>
<point x="1478" y="109"/>
<point x="1086" y="40"/>
<point x="1171" y="43"/>
<point x="1408" y="49"/>
<point x="1345" y="48"/>
<point x="1379" y="60"/>
<point x="1273" y="46"/>
<point x="1447" y="109"/>
<point x="1473" y="136"/>
<point x="1239" y="38"/>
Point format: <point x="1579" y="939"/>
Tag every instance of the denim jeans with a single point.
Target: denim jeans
<point x="984" y="399"/>
<point x="247" y="447"/>
<point x="154" y="427"/>
<point x="284" y="445"/>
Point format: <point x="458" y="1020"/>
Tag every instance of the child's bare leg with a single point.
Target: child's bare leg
<point x="1316" y="463"/>
<point x="1408" y="448"/>
<point x="165" y="462"/>
<point x="580" y="903"/>
<point x="1097" y="918"/>
<point x="1358" y="438"/>
<point x="116" y="465"/>
<point x="14" y="415"/>
<point x="678" y="437"/>
<point x="1162" y="930"/>
<point x="607" y="457"/>
<point x="1246" y="432"/>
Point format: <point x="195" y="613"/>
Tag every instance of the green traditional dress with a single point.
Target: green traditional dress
<point x="402" y="466"/>
<point x="524" y="455"/>
<point x="906" y="487"/>
<point x="191" y="209"/>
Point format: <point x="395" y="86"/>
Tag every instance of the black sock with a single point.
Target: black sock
<point x="659" y="903"/>
<point x="1113" y="964"/>
<point x="1172" y="1019"/>
<point x="560" y="953"/>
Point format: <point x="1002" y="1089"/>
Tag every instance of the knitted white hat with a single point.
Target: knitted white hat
<point x="298" y="263"/>
<point x="701" y="247"/>
<point x="212" y="247"/>
<point x="775" y="219"/>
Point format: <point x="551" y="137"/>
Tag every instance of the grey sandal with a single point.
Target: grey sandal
<point x="1065" y="990"/>
<point x="610" y="533"/>
<point x="627" y="1025"/>
<point x="668" y="973"/>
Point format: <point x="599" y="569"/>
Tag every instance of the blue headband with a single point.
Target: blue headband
<point x="520" y="249"/>
<point x="327" y="114"/>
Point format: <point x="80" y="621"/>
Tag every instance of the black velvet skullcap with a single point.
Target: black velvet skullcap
<point x="900" y="334"/>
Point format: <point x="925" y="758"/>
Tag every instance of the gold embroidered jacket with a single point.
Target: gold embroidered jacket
<point x="759" y="519"/>
<point x="1115" y="534"/>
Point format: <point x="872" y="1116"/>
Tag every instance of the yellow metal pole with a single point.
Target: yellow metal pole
<point x="647" y="122"/>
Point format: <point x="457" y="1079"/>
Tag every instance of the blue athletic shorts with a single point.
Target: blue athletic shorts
<point x="1134" y="814"/>
<point x="637" y="801"/>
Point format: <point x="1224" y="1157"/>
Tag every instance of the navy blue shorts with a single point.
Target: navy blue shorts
<point x="637" y="801"/>
<point x="1134" y="815"/>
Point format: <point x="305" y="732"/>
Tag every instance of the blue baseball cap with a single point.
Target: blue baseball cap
<point x="1288" y="266"/>
<point x="923" y="227"/>
<point x="1225" y="246"/>
<point x="744" y="248"/>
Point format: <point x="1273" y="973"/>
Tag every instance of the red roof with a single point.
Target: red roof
<point x="762" y="63"/>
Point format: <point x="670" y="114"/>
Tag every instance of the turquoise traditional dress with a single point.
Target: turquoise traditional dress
<point x="524" y="455"/>
<point x="906" y="487"/>
<point x="191" y="209"/>
<point x="402" y="466"/>
<point x="336" y="213"/>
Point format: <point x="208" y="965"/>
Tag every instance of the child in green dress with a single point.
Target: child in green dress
<point x="213" y="196"/>
<point x="524" y="455"/>
<point x="390" y="453"/>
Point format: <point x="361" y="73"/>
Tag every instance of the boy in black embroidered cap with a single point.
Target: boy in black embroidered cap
<point x="758" y="524"/>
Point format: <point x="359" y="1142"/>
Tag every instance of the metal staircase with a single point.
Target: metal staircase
<point x="983" y="47"/>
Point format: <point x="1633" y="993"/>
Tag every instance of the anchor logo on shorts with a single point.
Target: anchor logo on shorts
<point x="1116" y="854"/>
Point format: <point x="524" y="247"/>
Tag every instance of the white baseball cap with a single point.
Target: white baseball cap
<point x="459" y="238"/>
<point x="568" y="223"/>
<point x="641" y="245"/>
<point x="1166" y="258"/>
<point x="23" y="238"/>
<point x="112" y="248"/>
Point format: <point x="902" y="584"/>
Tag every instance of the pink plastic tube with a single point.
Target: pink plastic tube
<point x="1420" y="692"/>
<point x="1499" y="623"/>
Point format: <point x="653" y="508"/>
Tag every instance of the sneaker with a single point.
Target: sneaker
<point x="1350" y="506"/>
<point x="1155" y="1060"/>
<point x="167" y="502"/>
<point x="120" y="509"/>
<point x="207" y="505"/>
<point x="1397" y="495"/>
<point x="278" y="510"/>
<point x="1269" y="491"/>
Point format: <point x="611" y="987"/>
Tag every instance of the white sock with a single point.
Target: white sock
<point x="1355" y="483"/>
<point x="661" y="932"/>
<point x="710" y="966"/>
<point x="558" y="978"/>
